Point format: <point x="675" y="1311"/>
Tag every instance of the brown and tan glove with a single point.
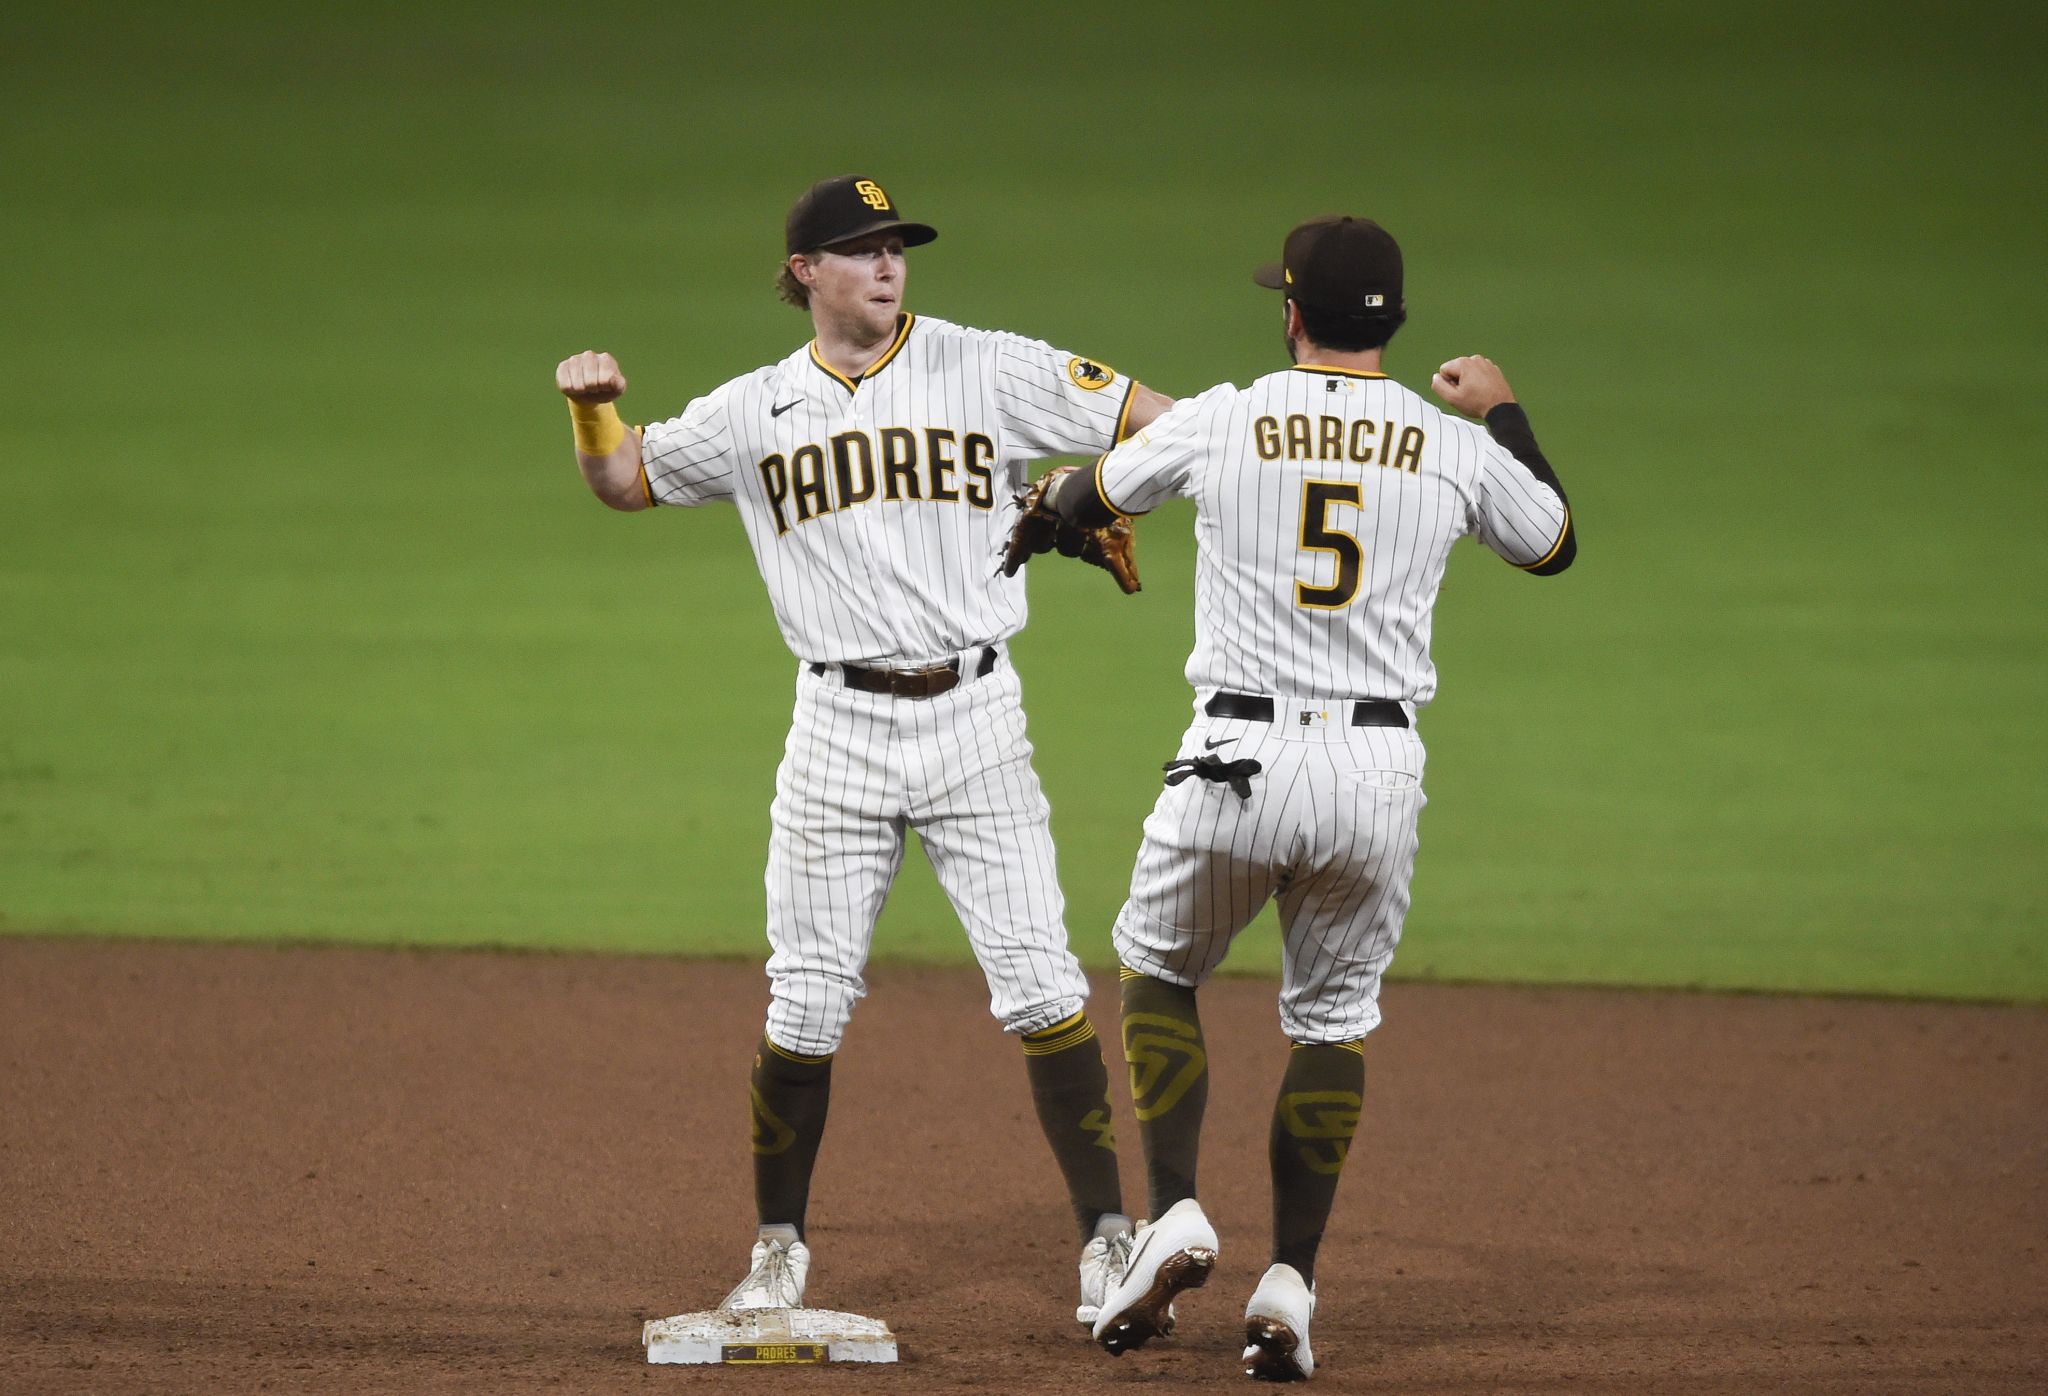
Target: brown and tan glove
<point x="1039" y="529"/>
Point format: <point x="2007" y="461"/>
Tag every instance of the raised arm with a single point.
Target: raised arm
<point x="1475" y="386"/>
<point x="607" y="452"/>
<point x="1146" y="408"/>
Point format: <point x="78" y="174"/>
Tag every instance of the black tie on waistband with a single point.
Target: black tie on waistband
<point x="1235" y="774"/>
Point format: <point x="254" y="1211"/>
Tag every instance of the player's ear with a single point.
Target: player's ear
<point x="800" y="268"/>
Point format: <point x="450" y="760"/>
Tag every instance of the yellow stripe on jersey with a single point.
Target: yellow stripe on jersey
<point x="1562" y="534"/>
<point x="1095" y="473"/>
<point x="1123" y="419"/>
<point x="832" y="372"/>
<point x="1344" y="372"/>
<point x="902" y="334"/>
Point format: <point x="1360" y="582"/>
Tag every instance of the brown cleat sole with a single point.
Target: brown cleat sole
<point x="1148" y="1317"/>
<point x="1269" y="1351"/>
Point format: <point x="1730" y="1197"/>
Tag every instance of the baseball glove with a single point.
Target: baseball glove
<point x="1040" y="529"/>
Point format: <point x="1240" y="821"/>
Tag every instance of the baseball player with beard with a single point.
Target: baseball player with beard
<point x="875" y="471"/>
<point x="1327" y="497"/>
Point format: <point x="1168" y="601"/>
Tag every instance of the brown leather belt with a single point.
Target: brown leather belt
<point x="911" y="683"/>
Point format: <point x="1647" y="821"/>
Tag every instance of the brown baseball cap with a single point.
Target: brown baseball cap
<point x="850" y="206"/>
<point x="1348" y="265"/>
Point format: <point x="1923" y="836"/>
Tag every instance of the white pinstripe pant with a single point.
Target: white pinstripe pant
<point x="858" y="770"/>
<point x="1330" y="830"/>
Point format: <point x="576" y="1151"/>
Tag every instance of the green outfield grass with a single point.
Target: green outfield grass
<point x="307" y="628"/>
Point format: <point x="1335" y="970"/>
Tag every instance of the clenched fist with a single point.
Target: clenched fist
<point x="1474" y="385"/>
<point x="590" y="377"/>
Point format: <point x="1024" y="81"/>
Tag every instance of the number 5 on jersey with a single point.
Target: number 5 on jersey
<point x="1317" y="535"/>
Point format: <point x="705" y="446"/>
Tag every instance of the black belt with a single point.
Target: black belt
<point x="1365" y="712"/>
<point x="912" y="683"/>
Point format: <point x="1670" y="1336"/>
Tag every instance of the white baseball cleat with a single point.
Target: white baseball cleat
<point x="1276" y="1327"/>
<point x="1176" y="1252"/>
<point x="1103" y="1262"/>
<point x="777" y="1280"/>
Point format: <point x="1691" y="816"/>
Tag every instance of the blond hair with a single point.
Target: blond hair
<point x="792" y="291"/>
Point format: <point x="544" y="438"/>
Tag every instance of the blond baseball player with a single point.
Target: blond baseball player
<point x="1327" y="497"/>
<point x="875" y="471"/>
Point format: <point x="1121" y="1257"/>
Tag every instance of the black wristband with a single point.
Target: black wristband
<point x="1509" y="425"/>
<point x="1079" y="499"/>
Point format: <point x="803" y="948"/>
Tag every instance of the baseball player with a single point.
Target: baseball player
<point x="875" y="471"/>
<point x="1327" y="497"/>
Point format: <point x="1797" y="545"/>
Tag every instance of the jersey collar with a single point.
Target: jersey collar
<point x="1341" y="372"/>
<point x="903" y="323"/>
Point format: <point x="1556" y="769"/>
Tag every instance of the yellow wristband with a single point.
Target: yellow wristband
<point x="598" y="428"/>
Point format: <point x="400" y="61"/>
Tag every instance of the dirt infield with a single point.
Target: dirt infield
<point x="245" y="1169"/>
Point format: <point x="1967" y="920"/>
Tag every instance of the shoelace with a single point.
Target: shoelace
<point x="1235" y="774"/>
<point x="773" y="1274"/>
<point x="776" y="1273"/>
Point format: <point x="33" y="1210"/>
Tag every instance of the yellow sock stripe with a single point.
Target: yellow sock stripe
<point x="1059" y="1037"/>
<point x="1355" y="1046"/>
<point x="1125" y="972"/>
<point x="789" y="1056"/>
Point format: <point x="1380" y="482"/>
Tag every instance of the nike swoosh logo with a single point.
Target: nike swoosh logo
<point x="778" y="411"/>
<point x="1221" y="741"/>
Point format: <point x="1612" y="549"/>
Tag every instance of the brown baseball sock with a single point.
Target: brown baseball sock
<point x="790" y="1094"/>
<point x="1169" y="1082"/>
<point x="1314" y="1119"/>
<point x="1070" y="1087"/>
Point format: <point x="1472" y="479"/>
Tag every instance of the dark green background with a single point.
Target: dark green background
<point x="307" y="628"/>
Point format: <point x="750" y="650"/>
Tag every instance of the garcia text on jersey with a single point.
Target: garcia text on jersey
<point x="1301" y="437"/>
<point x="893" y="465"/>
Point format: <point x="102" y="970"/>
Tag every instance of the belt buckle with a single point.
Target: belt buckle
<point x="927" y="682"/>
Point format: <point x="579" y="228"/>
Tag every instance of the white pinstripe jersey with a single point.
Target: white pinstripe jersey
<point x="1326" y="503"/>
<point x="878" y="507"/>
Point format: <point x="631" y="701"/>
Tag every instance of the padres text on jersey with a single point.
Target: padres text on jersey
<point x="877" y="507"/>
